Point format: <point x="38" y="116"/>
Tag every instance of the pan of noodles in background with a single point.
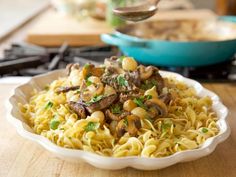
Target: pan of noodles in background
<point x="177" y="43"/>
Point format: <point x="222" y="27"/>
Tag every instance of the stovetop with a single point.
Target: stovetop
<point x="24" y="59"/>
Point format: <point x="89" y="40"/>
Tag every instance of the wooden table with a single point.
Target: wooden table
<point x="20" y="157"/>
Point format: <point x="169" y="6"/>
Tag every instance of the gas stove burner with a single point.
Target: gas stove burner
<point x="28" y="60"/>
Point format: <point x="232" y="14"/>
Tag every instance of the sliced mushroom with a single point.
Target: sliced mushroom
<point x="71" y="66"/>
<point x="101" y="104"/>
<point x="112" y="116"/>
<point x="121" y="128"/>
<point x="113" y="126"/>
<point x="158" y="105"/>
<point x="130" y="124"/>
<point x="166" y="98"/>
<point x="116" y="117"/>
<point x="145" y="72"/>
<point x="160" y="81"/>
<point x="78" y="109"/>
<point x="97" y="71"/>
<point x="112" y="62"/>
<point x="134" y="124"/>
<point x="67" y="89"/>
<point x="90" y="91"/>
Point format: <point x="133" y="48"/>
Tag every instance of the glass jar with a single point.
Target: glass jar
<point x="112" y="19"/>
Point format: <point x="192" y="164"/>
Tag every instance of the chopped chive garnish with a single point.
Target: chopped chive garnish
<point x="122" y="81"/>
<point x="54" y="124"/>
<point x="91" y="126"/>
<point x="49" y="105"/>
<point x="204" y="130"/>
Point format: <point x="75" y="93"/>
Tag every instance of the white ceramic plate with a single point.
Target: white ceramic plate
<point x="22" y="94"/>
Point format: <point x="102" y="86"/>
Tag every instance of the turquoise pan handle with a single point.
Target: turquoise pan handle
<point x="113" y="39"/>
<point x="228" y="18"/>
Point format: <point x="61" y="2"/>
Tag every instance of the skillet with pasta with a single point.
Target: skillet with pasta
<point x="121" y="109"/>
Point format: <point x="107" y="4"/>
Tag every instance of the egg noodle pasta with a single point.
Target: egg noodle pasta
<point x="121" y="109"/>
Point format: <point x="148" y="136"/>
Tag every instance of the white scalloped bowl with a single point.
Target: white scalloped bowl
<point x="22" y="94"/>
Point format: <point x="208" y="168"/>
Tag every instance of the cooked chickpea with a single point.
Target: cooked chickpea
<point x="100" y="115"/>
<point x="140" y="112"/>
<point x="152" y="92"/>
<point x="129" y="105"/>
<point x="129" y="64"/>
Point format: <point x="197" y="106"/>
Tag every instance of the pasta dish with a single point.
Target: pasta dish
<point x="121" y="109"/>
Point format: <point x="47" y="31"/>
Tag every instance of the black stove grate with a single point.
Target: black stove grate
<point x="24" y="59"/>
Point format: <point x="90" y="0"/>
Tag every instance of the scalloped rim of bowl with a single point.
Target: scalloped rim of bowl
<point x="112" y="163"/>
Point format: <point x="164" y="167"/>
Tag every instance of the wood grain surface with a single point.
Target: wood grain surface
<point x="22" y="158"/>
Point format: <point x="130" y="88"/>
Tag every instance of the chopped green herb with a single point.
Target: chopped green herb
<point x="54" y="124"/>
<point x="204" y="130"/>
<point x="88" y="82"/>
<point x="87" y="76"/>
<point x="49" y="105"/>
<point x="126" y="122"/>
<point x="121" y="58"/>
<point x="97" y="98"/>
<point x="148" y="97"/>
<point x="148" y="84"/>
<point x="92" y="126"/>
<point x="139" y="102"/>
<point x="116" y="109"/>
<point x="86" y="66"/>
<point x="77" y="91"/>
<point x="165" y="126"/>
<point x="122" y="81"/>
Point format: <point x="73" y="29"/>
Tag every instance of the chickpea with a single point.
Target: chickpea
<point x="152" y="92"/>
<point x="140" y="112"/>
<point x="129" y="105"/>
<point x="100" y="115"/>
<point x="129" y="64"/>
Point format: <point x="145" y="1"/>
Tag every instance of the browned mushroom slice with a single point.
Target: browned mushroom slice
<point x="116" y="117"/>
<point x="145" y="72"/>
<point x="71" y="66"/>
<point x="112" y="116"/>
<point x="78" y="109"/>
<point x="166" y="98"/>
<point x="97" y="71"/>
<point x="160" y="82"/>
<point x="121" y="127"/>
<point x="134" y="124"/>
<point x="101" y="104"/>
<point x="158" y="106"/>
<point x="130" y="124"/>
<point x="67" y="89"/>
